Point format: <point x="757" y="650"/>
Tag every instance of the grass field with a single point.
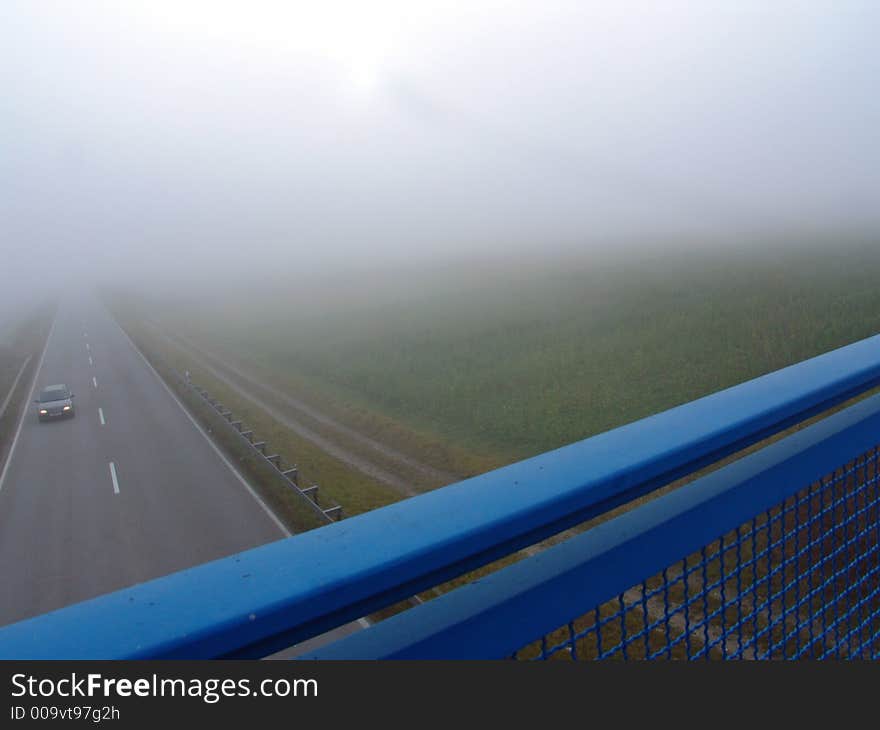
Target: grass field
<point x="469" y="368"/>
<point x="481" y="365"/>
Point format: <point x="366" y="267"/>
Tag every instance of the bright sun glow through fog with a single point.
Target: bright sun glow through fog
<point x="357" y="37"/>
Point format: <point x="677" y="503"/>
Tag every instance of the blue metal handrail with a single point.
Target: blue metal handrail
<point x="270" y="597"/>
<point x="495" y="616"/>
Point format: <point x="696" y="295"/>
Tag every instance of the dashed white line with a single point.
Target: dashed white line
<point x="88" y="346"/>
<point x="113" y="477"/>
<point x="94" y="381"/>
<point x="90" y="360"/>
<point x="101" y="416"/>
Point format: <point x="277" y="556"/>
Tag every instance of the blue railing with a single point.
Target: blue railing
<point x="746" y="562"/>
<point x="774" y="554"/>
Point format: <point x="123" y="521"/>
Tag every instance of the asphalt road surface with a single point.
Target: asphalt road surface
<point x="128" y="490"/>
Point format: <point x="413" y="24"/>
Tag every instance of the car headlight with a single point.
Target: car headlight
<point x="43" y="411"/>
<point x="66" y="408"/>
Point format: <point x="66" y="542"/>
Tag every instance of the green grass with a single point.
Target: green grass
<point x="481" y="365"/>
<point x="470" y="368"/>
<point x="473" y="367"/>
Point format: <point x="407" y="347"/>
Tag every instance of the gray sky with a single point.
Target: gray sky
<point x="145" y="137"/>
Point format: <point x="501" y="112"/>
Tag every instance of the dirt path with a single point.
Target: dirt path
<point x="397" y="470"/>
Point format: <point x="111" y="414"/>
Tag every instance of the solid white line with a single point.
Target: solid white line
<point x="26" y="410"/>
<point x="94" y="381"/>
<point x="90" y="360"/>
<point x="113" y="477"/>
<point x="101" y="416"/>
<point x="363" y="622"/>
<point x="279" y="524"/>
<point x="14" y="385"/>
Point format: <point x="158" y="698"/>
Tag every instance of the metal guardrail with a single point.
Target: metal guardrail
<point x="276" y="595"/>
<point x="288" y="476"/>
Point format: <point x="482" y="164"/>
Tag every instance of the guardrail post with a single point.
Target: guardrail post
<point x="311" y="492"/>
<point x="292" y="474"/>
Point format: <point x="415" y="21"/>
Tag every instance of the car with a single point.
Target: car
<point x="55" y="401"/>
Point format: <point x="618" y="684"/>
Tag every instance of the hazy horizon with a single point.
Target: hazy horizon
<point x="191" y="140"/>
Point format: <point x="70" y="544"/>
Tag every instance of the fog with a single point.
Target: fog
<point x="160" y="142"/>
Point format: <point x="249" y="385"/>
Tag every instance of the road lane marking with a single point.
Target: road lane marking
<point x="90" y="360"/>
<point x="278" y="523"/>
<point x="88" y="346"/>
<point x="26" y="409"/>
<point x="14" y="385"/>
<point x="94" y="381"/>
<point x="101" y="416"/>
<point x="113" y="477"/>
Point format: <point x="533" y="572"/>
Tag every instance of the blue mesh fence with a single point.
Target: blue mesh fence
<point x="801" y="580"/>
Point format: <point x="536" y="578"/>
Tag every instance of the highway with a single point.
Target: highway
<point x="129" y="490"/>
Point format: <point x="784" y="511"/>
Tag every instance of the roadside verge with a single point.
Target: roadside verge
<point x="19" y="363"/>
